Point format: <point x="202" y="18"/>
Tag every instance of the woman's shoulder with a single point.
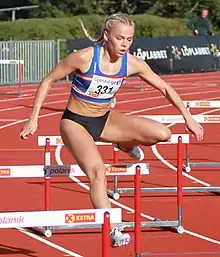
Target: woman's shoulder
<point x="80" y="58"/>
<point x="84" y="54"/>
<point x="135" y="65"/>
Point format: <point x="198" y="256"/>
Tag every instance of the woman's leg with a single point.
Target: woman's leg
<point x="82" y="147"/>
<point x="129" y="131"/>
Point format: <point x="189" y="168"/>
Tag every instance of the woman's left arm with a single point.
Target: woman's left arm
<point x="146" y="74"/>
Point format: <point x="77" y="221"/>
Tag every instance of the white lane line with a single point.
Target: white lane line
<point x="53" y="245"/>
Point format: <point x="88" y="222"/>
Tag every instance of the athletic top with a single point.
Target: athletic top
<point x="95" y="86"/>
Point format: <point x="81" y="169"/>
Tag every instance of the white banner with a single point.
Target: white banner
<point x="57" y="218"/>
<point x="57" y="140"/>
<point x="179" y="118"/>
<point x="41" y="171"/>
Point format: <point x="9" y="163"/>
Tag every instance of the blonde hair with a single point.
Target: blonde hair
<point x="108" y="24"/>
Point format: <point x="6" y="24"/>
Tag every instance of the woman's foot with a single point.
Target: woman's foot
<point x="118" y="238"/>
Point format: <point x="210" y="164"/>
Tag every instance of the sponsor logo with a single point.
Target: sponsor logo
<point x="79" y="217"/>
<point x="212" y="118"/>
<point x="11" y="220"/>
<point x="202" y="104"/>
<point x="116" y="169"/>
<point x="172" y="119"/>
<point x="59" y="141"/>
<point x="65" y="171"/>
<point x="5" y="172"/>
<point x="92" y="94"/>
<point x="176" y="53"/>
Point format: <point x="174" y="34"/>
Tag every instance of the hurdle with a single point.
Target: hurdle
<point x="178" y="119"/>
<point x="19" y="64"/>
<point x="101" y="217"/>
<point x="211" y="119"/>
<point x="116" y="170"/>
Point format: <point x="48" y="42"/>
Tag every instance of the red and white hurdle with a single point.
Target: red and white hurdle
<point x="203" y="119"/>
<point x="178" y="139"/>
<point x="20" y="64"/>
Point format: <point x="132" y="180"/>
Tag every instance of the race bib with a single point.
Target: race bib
<point x="103" y="87"/>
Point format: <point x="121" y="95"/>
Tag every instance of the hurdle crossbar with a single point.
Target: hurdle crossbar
<point x="202" y="104"/>
<point x="58" y="218"/>
<point x="57" y="140"/>
<point x="65" y="218"/>
<point x="178" y="119"/>
<point x="211" y="119"/>
<point x="41" y="171"/>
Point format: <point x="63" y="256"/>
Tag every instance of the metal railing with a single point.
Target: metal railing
<point x="39" y="58"/>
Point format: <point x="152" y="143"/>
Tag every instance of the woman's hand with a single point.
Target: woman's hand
<point x="29" y="128"/>
<point x="195" y="128"/>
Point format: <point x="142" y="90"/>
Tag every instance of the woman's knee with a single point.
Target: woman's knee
<point x="164" y="134"/>
<point x="97" y="175"/>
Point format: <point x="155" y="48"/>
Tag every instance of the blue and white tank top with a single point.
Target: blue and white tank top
<point x="95" y="86"/>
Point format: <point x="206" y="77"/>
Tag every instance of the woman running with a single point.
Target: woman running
<point x="99" y="73"/>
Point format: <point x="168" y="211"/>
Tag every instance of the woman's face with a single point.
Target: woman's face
<point x="119" y="39"/>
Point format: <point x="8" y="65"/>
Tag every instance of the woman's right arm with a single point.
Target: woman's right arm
<point x="65" y="67"/>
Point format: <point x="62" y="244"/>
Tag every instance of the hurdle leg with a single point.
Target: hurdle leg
<point x="20" y="78"/>
<point x="187" y="165"/>
<point x="114" y="193"/>
<point x="179" y="185"/>
<point x="106" y="243"/>
<point x="137" y="217"/>
<point x="115" y="158"/>
<point x="47" y="160"/>
<point x="46" y="231"/>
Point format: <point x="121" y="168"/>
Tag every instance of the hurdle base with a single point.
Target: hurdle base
<point x="204" y="164"/>
<point x="159" y="223"/>
<point x="186" y="167"/>
<point x="210" y="189"/>
<point x="112" y="194"/>
<point x="48" y="231"/>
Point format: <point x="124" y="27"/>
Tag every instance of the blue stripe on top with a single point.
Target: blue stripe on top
<point x="81" y="81"/>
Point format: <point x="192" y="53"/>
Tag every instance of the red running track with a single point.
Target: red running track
<point x="200" y="210"/>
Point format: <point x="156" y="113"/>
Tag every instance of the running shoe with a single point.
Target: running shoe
<point x="135" y="152"/>
<point x="118" y="238"/>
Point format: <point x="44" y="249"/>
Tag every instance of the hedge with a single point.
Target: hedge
<point x="61" y="28"/>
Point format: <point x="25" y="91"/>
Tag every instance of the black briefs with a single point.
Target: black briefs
<point x="94" y="125"/>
